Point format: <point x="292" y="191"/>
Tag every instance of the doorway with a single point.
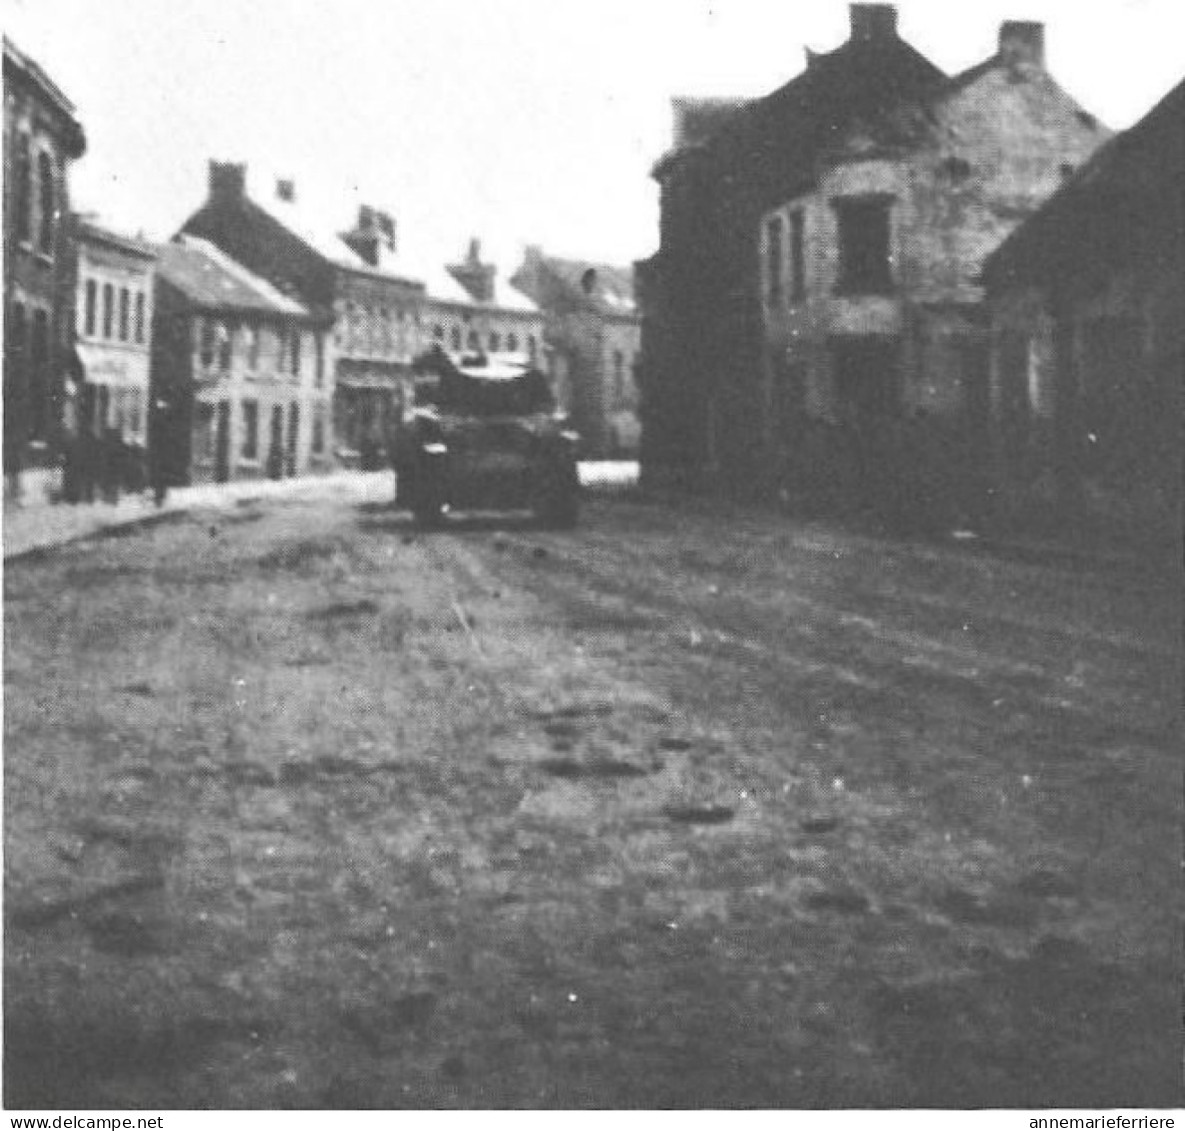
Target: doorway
<point x="293" y="436"/>
<point x="275" y="448"/>
<point x="222" y="444"/>
<point x="867" y="374"/>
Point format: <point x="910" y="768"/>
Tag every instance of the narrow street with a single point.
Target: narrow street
<point x="684" y="808"/>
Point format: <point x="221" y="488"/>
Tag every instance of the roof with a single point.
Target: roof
<point x="781" y="135"/>
<point x="15" y="58"/>
<point x="614" y="291"/>
<point x="444" y="288"/>
<point x="328" y="243"/>
<point x="696" y="119"/>
<point x="88" y="230"/>
<point x="1120" y="204"/>
<point x="210" y="279"/>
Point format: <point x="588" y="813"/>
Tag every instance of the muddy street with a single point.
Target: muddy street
<point x="684" y="808"/>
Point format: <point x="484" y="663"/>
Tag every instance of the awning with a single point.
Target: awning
<point x="103" y="366"/>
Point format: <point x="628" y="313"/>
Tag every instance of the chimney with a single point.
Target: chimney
<point x="474" y="275"/>
<point x="286" y="190"/>
<point x="1022" y="43"/>
<point x="227" y="181"/>
<point x="873" y="22"/>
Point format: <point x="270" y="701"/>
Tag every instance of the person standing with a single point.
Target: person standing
<point x="158" y="464"/>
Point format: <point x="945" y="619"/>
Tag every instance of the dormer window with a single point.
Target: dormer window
<point x="865" y="261"/>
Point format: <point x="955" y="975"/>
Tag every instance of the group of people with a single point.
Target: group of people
<point x="99" y="460"/>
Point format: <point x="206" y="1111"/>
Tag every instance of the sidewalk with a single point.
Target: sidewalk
<point x="40" y="525"/>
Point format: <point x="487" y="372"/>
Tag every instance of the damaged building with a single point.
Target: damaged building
<point x="814" y="321"/>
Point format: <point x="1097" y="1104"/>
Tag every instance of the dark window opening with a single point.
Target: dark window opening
<point x="40" y="377"/>
<point x="773" y="250"/>
<point x="23" y="190"/>
<point x="495" y="343"/>
<point x="140" y="317"/>
<point x="108" y="310"/>
<point x="455" y="339"/>
<point x="250" y="430"/>
<point x="864" y="261"/>
<point x="49" y="204"/>
<point x="797" y="256"/>
<point x="125" y="313"/>
<point x="92" y="304"/>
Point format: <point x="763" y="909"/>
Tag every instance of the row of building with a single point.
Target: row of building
<point x="882" y="281"/>
<point x="257" y="342"/>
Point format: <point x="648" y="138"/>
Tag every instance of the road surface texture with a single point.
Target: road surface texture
<point x="685" y="808"/>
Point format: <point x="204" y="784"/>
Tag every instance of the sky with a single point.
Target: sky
<point x="515" y="121"/>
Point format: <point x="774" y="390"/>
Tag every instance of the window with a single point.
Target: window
<point x="39" y="385"/>
<point x="438" y="332"/>
<point x="774" y="255"/>
<point x="319" y="431"/>
<point x="512" y="343"/>
<point x="295" y="359"/>
<point x="108" y="310"/>
<point x="319" y="376"/>
<point x="49" y="219"/>
<point x="92" y="304"/>
<point x="495" y="343"/>
<point x="250" y="430"/>
<point x="140" y="316"/>
<point x="206" y="334"/>
<point x="532" y="347"/>
<point x="203" y="432"/>
<point x="864" y="262"/>
<point x="225" y="347"/>
<point x="455" y="339"/>
<point x="23" y="190"/>
<point x="797" y="256"/>
<point x="474" y="342"/>
<point x="125" y="313"/>
<point x="281" y="350"/>
<point x="135" y="413"/>
<point x="252" y="348"/>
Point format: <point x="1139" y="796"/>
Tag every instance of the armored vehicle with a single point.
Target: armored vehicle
<point x="483" y="433"/>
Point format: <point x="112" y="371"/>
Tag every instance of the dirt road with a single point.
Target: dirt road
<point x="685" y="808"/>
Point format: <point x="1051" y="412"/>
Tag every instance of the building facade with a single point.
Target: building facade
<point x="816" y="320"/>
<point x="241" y="385"/>
<point x="469" y="310"/>
<point x="593" y="330"/>
<point x="42" y="136"/>
<point x="1088" y="338"/>
<point x="352" y="280"/>
<point x="113" y="304"/>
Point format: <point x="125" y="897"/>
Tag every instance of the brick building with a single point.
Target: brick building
<point x="353" y="280"/>
<point x="240" y="380"/>
<point x="1088" y="338"/>
<point x="468" y="310"/>
<point x="814" y="316"/>
<point x="593" y="329"/>
<point x="113" y="303"/>
<point x="42" y="136"/>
